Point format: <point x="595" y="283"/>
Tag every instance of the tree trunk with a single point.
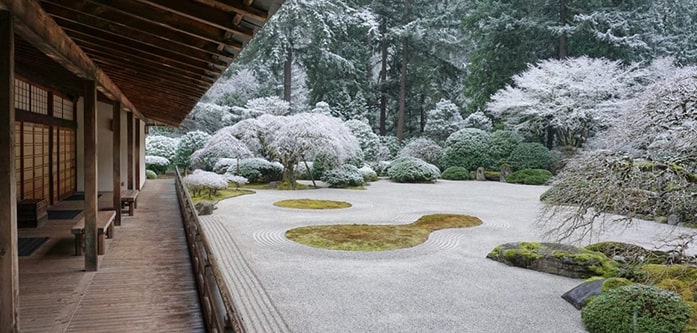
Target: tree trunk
<point x="402" y="91"/>
<point x="550" y="136"/>
<point x="423" y="114"/>
<point x="287" y="72"/>
<point x="383" y="76"/>
<point x="563" y="39"/>
<point x="312" y="175"/>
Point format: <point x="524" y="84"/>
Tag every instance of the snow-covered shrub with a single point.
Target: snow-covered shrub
<point x="188" y="144"/>
<point x="159" y="145"/>
<point x="257" y="170"/>
<point x="369" y="175"/>
<point x="478" y="120"/>
<point x="381" y="167"/>
<point x="221" y="145"/>
<point x="468" y="148"/>
<point x="237" y="180"/>
<point x="269" y="105"/>
<point x="442" y="121"/>
<point x="201" y="180"/>
<point x="322" y="108"/>
<point x="369" y="141"/>
<point x="156" y="163"/>
<point x="343" y="176"/>
<point x="423" y="148"/>
<point x="149" y="174"/>
<point x="322" y="163"/>
<point x="456" y="173"/>
<point x="224" y="164"/>
<point x="502" y="144"/>
<point x="412" y="170"/>
<point x="389" y="148"/>
<point x="530" y="156"/>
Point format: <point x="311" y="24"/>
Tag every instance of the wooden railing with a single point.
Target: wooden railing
<point x="218" y="310"/>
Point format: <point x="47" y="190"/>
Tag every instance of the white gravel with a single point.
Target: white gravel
<point x="444" y="285"/>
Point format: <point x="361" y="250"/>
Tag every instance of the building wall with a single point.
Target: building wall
<point x="104" y="148"/>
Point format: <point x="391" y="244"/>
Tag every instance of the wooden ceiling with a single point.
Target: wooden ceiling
<point x="163" y="55"/>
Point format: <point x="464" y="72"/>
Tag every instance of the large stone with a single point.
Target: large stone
<point x="205" y="207"/>
<point x="554" y="258"/>
<point x="480" y="174"/>
<point x="580" y="294"/>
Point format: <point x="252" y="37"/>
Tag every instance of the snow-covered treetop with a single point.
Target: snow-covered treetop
<point x="576" y="96"/>
<point x="304" y="135"/>
<point x="159" y="145"/>
<point x="223" y="144"/>
<point x="443" y="121"/>
<point x="478" y="120"/>
<point x="272" y="105"/>
<point x="368" y="140"/>
<point x="206" y="179"/>
<point x="242" y="83"/>
<point x="323" y="108"/>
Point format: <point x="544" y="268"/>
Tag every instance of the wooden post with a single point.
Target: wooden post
<point x="90" y="121"/>
<point x="9" y="269"/>
<point x="130" y="147"/>
<point x="137" y="159"/>
<point x="116" y="152"/>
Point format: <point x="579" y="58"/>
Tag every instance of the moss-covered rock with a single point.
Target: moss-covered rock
<point x="554" y="258"/>
<point x="629" y="253"/>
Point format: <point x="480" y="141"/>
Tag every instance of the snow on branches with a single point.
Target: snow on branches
<point x="221" y="145"/>
<point x="159" y="145"/>
<point x="201" y="180"/>
<point x="576" y="97"/>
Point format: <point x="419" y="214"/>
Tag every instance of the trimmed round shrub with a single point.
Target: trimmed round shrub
<point x="257" y="170"/>
<point x="149" y="174"/>
<point x="502" y="145"/>
<point x="224" y="164"/>
<point x="412" y="170"/>
<point x="530" y="155"/>
<point x="369" y="175"/>
<point x="343" y="176"/>
<point x="467" y="148"/>
<point x="530" y="177"/>
<point x="456" y="173"/>
<point x="636" y="308"/>
<point x="157" y="164"/>
<point x="425" y="149"/>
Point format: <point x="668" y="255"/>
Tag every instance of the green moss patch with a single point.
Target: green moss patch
<point x="311" y="204"/>
<point x="364" y="237"/>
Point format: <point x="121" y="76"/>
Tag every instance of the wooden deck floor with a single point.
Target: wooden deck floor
<point x="144" y="282"/>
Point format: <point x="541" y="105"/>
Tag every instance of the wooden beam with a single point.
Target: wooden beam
<point x="137" y="153"/>
<point x="82" y="33"/>
<point x="90" y="155"/>
<point x="37" y="28"/>
<point x="9" y="268"/>
<point x="241" y="7"/>
<point x="117" y="23"/>
<point x="206" y="15"/>
<point x="130" y="146"/>
<point x="158" y="16"/>
<point x="116" y="153"/>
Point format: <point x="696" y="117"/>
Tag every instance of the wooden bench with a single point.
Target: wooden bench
<point x="129" y="198"/>
<point x="105" y="229"/>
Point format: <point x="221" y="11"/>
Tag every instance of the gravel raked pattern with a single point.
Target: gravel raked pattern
<point x="443" y="285"/>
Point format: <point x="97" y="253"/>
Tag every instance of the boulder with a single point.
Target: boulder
<point x="554" y="258"/>
<point x="205" y="207"/>
<point x="480" y="174"/>
<point x="505" y="172"/>
<point x="581" y="293"/>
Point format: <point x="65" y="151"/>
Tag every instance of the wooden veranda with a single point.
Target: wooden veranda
<point x="80" y="80"/>
<point x="144" y="282"/>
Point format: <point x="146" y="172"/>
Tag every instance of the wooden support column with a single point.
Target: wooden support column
<point x="90" y="123"/>
<point x="116" y="152"/>
<point x="137" y="153"/>
<point x="9" y="269"/>
<point x="130" y="147"/>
